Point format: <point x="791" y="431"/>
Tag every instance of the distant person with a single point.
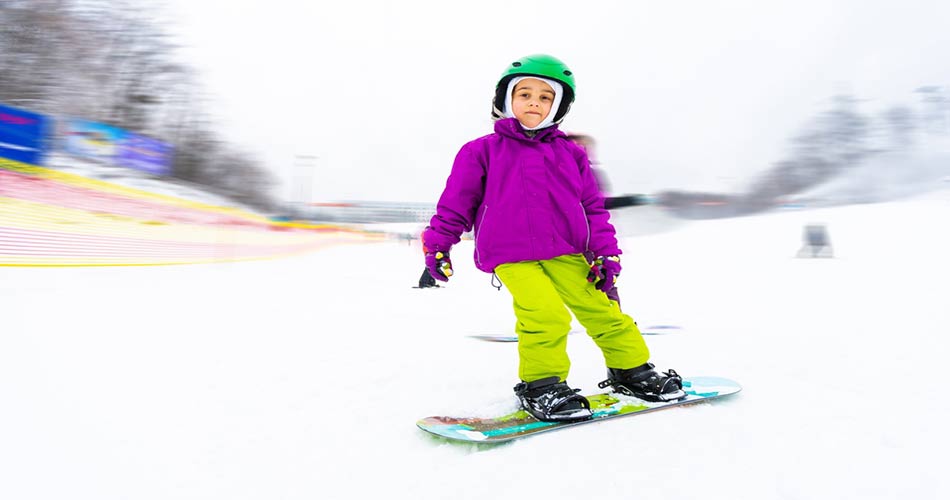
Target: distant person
<point x="534" y="204"/>
<point x="816" y="242"/>
<point x="588" y="144"/>
<point x="610" y="202"/>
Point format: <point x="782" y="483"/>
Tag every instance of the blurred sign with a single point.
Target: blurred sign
<point x="108" y="144"/>
<point x="145" y="154"/>
<point x="95" y="141"/>
<point x="22" y="135"/>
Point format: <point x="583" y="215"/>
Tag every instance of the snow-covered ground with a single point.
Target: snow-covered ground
<point x="302" y="378"/>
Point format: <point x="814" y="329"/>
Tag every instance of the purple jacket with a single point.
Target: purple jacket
<point x="527" y="199"/>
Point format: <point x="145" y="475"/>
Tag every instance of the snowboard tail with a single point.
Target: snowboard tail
<point x="520" y="423"/>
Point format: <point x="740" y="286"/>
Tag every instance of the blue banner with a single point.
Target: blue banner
<point x="23" y="135"/>
<point x="145" y="154"/>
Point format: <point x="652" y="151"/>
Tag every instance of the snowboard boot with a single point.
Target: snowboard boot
<point x="426" y="280"/>
<point x="645" y="383"/>
<point x="551" y="400"/>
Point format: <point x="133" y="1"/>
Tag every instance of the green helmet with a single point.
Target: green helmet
<point x="541" y="65"/>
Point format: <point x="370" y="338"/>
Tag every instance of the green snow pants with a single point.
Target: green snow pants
<point x="541" y="289"/>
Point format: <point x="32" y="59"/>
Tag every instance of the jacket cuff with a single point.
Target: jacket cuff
<point x="431" y="242"/>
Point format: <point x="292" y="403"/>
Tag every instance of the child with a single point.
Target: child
<point x="535" y="207"/>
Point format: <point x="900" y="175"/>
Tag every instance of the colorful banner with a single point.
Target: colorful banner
<point x="23" y="135"/>
<point x="145" y="154"/>
<point x="108" y="144"/>
<point x="91" y="140"/>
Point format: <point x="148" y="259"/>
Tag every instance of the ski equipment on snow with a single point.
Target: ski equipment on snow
<point x="520" y="423"/>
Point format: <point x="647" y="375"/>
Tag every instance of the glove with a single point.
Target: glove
<point x="604" y="272"/>
<point x="439" y="265"/>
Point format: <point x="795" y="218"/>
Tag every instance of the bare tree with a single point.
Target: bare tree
<point x="901" y="126"/>
<point x="936" y="108"/>
<point x="111" y="61"/>
<point x="835" y="141"/>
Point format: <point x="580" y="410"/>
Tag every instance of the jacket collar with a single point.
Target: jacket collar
<point x="511" y="127"/>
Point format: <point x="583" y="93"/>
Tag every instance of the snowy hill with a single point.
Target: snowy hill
<point x="303" y="377"/>
<point x="127" y="177"/>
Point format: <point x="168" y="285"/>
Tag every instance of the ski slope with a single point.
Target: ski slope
<point x="302" y="378"/>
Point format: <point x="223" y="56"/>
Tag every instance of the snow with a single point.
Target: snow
<point x="303" y="377"/>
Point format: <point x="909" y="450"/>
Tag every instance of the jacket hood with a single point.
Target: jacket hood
<point x="511" y="127"/>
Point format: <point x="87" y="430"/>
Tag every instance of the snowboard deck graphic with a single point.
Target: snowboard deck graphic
<point x="520" y="423"/>
<point x="510" y="337"/>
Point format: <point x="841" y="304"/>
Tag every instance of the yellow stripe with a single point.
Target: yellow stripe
<point x="27" y="216"/>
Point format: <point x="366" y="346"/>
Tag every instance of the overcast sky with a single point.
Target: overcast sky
<point x="684" y="94"/>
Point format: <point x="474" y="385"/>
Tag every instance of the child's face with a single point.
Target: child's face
<point x="531" y="101"/>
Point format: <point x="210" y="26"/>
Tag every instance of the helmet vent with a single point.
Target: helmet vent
<point x="568" y="72"/>
<point x="516" y="64"/>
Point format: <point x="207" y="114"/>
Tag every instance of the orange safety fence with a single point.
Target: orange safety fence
<point x="52" y="218"/>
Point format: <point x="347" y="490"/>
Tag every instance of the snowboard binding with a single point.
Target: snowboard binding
<point x="645" y="383"/>
<point x="551" y="400"/>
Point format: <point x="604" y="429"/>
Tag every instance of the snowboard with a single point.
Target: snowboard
<point x="510" y="337"/>
<point x="605" y="406"/>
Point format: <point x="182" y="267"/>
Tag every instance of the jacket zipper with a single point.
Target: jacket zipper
<point x="481" y="223"/>
<point x="587" y="224"/>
